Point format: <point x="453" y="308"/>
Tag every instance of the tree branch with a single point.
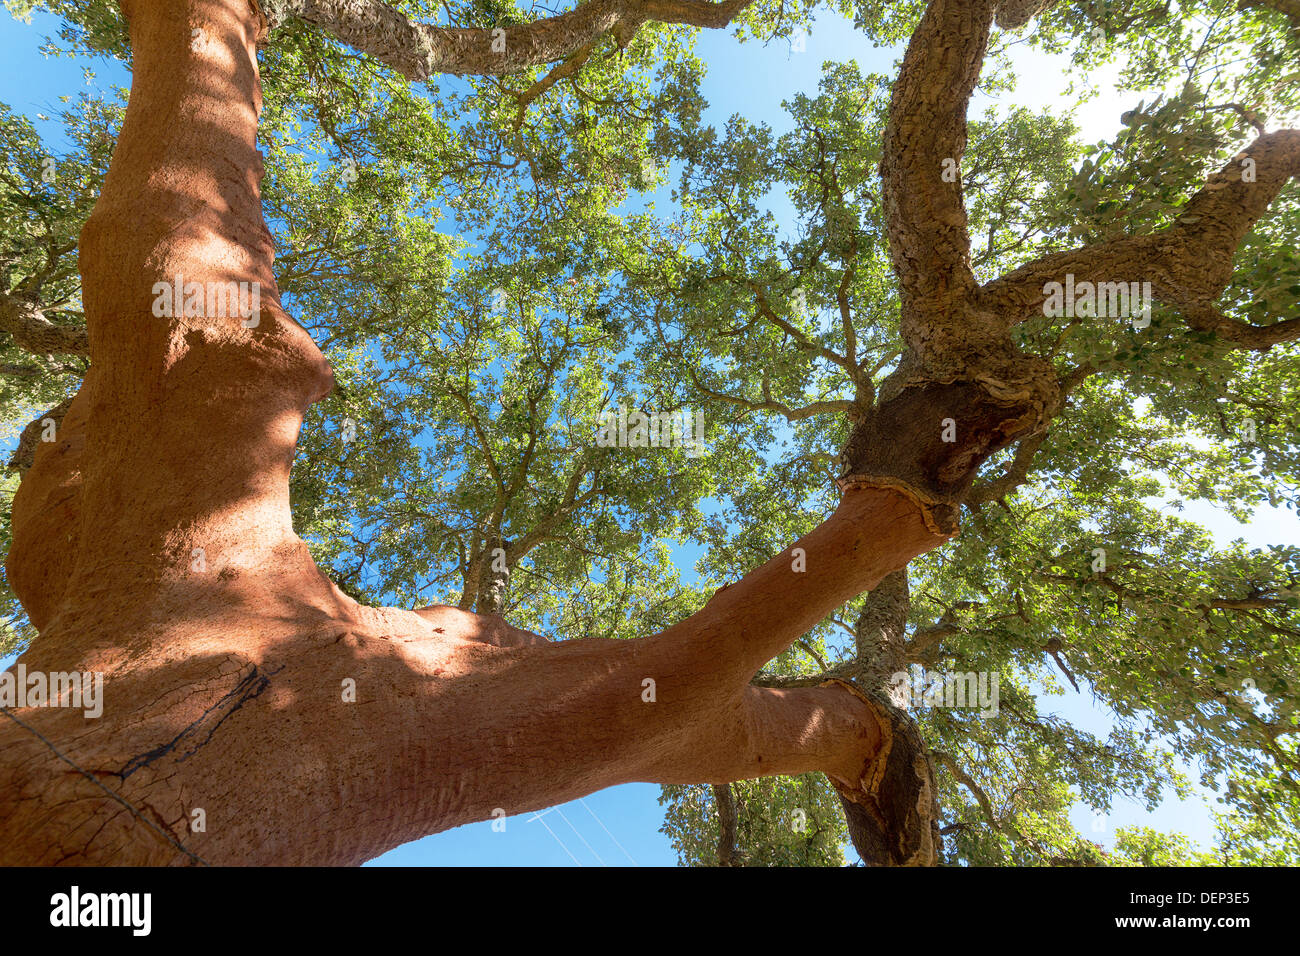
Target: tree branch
<point x="965" y="780"/>
<point x="420" y="50"/>
<point x="879" y="632"/>
<point x="26" y="322"/>
<point x="825" y="407"/>
<point x="1015" y="474"/>
<point x="928" y="239"/>
<point x="1260" y="338"/>
<point x="568" y="68"/>
<point x="1188" y="263"/>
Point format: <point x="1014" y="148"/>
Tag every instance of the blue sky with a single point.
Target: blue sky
<point x="619" y="826"/>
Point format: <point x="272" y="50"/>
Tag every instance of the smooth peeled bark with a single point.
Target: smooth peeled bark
<point x="225" y="678"/>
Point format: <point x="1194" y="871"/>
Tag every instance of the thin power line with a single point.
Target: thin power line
<point x="557" y="839"/>
<point x="606" y="829"/>
<point x="120" y="799"/>
<point x="581" y="837"/>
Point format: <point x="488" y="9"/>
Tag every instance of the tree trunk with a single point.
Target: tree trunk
<point x="879" y="634"/>
<point x="153" y="543"/>
<point x="895" y="821"/>
<point x="728" y="819"/>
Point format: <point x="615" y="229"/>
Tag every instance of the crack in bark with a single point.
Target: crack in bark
<point x="247" y="688"/>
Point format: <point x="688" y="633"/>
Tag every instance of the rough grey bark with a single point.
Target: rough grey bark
<point x="1188" y="263"/>
<point x="728" y="824"/>
<point x="26" y="322"/>
<point x="880" y="636"/>
<point x="962" y="389"/>
<point x="493" y="582"/>
<point x="420" y="50"/>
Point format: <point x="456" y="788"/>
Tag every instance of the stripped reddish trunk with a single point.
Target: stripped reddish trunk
<point x="224" y="686"/>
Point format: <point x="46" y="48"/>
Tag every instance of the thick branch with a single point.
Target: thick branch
<point x="892" y="814"/>
<point x="949" y="338"/>
<point x="1188" y="263"/>
<point x="32" y="331"/>
<point x="420" y="50"/>
<point x="928" y="238"/>
<point x="1261" y="338"/>
<point x="822" y="407"/>
<point x="568" y="68"/>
